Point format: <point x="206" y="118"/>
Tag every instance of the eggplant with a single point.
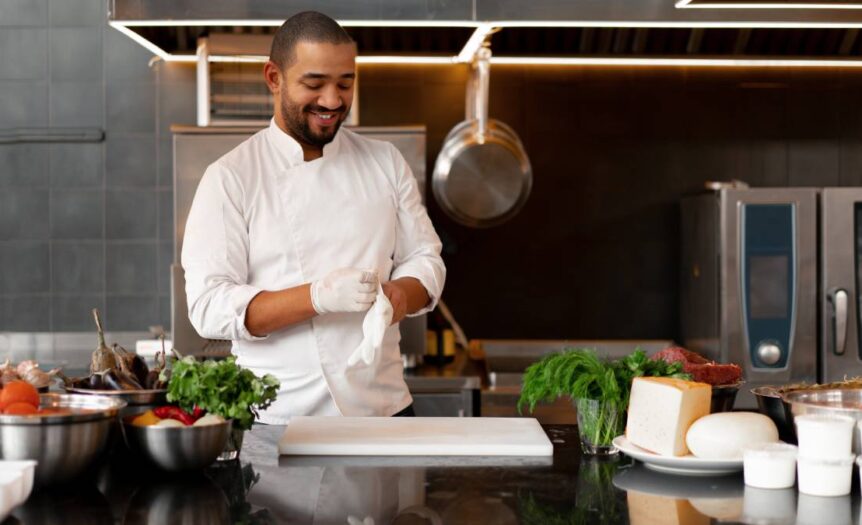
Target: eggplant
<point x="96" y="382"/>
<point x="140" y="369"/>
<point x="115" y="380"/>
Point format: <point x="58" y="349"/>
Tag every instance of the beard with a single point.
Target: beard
<point x="296" y="118"/>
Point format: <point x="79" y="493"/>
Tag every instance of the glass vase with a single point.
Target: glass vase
<point x="233" y="446"/>
<point x="599" y="422"/>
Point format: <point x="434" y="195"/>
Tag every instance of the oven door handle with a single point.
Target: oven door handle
<point x="838" y="299"/>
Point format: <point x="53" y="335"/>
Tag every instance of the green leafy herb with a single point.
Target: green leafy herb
<point x="221" y="387"/>
<point x="581" y="374"/>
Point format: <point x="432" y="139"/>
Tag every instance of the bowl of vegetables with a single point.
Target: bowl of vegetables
<point x="175" y="440"/>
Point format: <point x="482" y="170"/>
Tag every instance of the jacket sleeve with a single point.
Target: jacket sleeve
<point x="215" y="258"/>
<point x="417" y="246"/>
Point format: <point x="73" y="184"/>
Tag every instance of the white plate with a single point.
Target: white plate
<point x="685" y="465"/>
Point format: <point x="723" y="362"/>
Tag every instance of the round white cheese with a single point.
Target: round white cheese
<point x="725" y="434"/>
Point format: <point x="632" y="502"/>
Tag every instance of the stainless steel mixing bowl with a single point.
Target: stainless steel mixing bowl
<point x="63" y="445"/>
<point x="177" y="448"/>
<point x="835" y="402"/>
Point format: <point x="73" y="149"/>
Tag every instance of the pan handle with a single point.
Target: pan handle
<point x="482" y="68"/>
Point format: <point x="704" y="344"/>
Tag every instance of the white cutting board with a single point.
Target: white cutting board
<point x="414" y="436"/>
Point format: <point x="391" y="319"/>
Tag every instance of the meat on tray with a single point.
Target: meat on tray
<point x="701" y="368"/>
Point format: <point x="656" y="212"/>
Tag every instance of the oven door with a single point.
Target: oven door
<point x="840" y="251"/>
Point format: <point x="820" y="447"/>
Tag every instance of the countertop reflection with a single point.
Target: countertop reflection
<point x="264" y="488"/>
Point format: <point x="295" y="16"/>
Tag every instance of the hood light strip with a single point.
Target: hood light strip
<point x="483" y="29"/>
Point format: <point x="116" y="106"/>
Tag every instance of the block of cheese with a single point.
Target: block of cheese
<point x="660" y="411"/>
<point x="648" y="509"/>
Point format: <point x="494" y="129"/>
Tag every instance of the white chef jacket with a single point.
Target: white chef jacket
<point x="264" y="219"/>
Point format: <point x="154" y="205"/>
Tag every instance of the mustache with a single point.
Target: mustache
<point x="320" y="109"/>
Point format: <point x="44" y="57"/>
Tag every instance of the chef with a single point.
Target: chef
<point x="298" y="231"/>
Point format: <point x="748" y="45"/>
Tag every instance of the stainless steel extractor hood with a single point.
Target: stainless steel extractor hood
<point x="635" y="32"/>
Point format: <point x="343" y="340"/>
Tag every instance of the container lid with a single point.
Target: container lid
<point x="829" y="462"/>
<point x="771" y="450"/>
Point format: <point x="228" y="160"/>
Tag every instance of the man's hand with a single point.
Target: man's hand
<point x="398" y="299"/>
<point x="344" y="290"/>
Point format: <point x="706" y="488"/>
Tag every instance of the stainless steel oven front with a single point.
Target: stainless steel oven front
<point x="749" y="282"/>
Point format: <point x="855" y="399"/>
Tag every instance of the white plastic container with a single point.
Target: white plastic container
<point x="825" y="477"/>
<point x="825" y="437"/>
<point x="770" y="465"/>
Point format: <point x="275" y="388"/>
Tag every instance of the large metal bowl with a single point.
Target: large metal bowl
<point x="157" y="396"/>
<point x="63" y="445"/>
<point x="177" y="448"/>
<point x="834" y="402"/>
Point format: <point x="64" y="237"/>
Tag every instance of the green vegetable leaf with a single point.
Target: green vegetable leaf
<point x="221" y="387"/>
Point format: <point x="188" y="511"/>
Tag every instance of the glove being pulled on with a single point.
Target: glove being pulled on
<point x="344" y="290"/>
<point x="374" y="326"/>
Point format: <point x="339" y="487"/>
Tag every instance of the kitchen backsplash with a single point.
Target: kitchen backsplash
<point x="593" y="254"/>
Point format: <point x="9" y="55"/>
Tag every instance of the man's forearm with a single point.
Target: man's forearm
<point x="417" y="295"/>
<point x="271" y="311"/>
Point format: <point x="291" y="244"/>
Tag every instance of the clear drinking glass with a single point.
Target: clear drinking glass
<point x="599" y="423"/>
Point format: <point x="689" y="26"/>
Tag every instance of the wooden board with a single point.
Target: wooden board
<point x="414" y="436"/>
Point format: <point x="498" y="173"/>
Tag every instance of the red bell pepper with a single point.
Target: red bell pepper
<point x="172" y="412"/>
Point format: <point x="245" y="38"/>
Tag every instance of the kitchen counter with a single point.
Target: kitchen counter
<point x="264" y="488"/>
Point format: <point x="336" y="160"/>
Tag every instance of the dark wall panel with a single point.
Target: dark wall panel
<point x="594" y="253"/>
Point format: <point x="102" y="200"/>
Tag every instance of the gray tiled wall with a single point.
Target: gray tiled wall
<point x="85" y="225"/>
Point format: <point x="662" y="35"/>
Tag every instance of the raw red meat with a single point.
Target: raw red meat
<point x="701" y="368"/>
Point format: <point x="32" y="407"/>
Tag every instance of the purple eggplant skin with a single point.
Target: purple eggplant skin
<point x="140" y="369"/>
<point x="113" y="382"/>
<point x="96" y="382"/>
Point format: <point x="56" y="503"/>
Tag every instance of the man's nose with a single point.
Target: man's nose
<point x="330" y="98"/>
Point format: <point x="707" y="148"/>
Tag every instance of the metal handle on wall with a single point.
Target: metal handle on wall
<point x="838" y="299"/>
<point x="482" y="68"/>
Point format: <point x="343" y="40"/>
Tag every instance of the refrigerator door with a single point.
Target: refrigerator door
<point x="841" y="248"/>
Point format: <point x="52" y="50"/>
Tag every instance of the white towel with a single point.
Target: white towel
<point x="374" y="326"/>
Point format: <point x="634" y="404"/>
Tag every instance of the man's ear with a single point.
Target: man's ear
<point x="272" y="76"/>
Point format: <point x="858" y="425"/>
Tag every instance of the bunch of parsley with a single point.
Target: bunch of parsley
<point x="221" y="387"/>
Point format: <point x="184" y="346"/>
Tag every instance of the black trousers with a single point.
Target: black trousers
<point x="406" y="412"/>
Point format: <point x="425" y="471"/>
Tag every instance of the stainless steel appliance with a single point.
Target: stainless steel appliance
<point x="195" y="148"/>
<point x="770" y="281"/>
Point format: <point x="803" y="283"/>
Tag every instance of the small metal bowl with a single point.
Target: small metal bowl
<point x="723" y="397"/>
<point x="770" y="404"/>
<point x="63" y="445"/>
<point x="177" y="448"/>
<point x="831" y="402"/>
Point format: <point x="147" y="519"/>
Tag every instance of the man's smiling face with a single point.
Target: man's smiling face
<point x="317" y="91"/>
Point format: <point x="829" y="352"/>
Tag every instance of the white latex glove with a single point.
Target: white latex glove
<point x="344" y="290"/>
<point x="353" y="520"/>
<point x="374" y="326"/>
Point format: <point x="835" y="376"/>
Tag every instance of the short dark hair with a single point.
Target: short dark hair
<point x="308" y="26"/>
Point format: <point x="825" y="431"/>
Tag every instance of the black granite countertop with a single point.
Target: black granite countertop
<point x="263" y="488"/>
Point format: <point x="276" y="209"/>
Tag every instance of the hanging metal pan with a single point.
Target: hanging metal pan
<point x="482" y="176"/>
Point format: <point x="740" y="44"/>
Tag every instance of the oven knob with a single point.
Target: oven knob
<point x="769" y="353"/>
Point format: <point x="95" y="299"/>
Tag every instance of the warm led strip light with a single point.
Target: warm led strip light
<point x="686" y="4"/>
<point x="482" y="30"/>
<point x="278" y="23"/>
<point x="677" y="62"/>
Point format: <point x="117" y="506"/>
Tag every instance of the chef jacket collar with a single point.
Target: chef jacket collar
<point x="289" y="150"/>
